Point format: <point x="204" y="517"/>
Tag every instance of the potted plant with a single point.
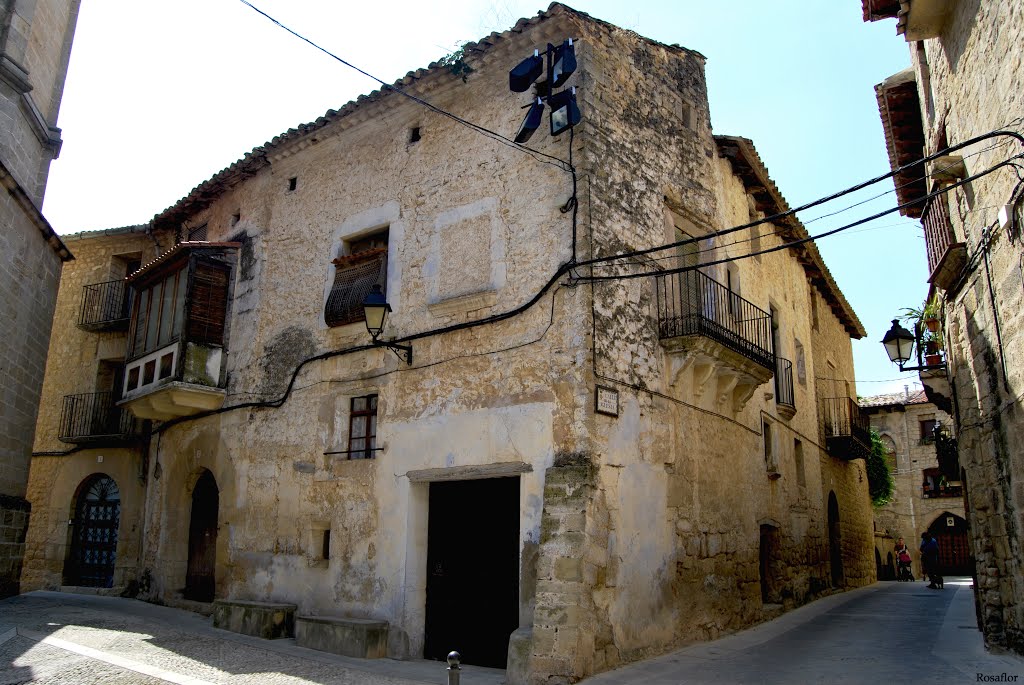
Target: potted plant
<point x="930" y="313"/>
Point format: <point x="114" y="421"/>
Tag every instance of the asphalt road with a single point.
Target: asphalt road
<point x="886" y="633"/>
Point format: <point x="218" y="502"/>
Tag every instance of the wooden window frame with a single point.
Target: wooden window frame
<point x="369" y="435"/>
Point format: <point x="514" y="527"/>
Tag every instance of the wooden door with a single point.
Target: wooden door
<point x="202" y="540"/>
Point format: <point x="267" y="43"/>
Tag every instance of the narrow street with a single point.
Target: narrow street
<point x="889" y="632"/>
<point x="886" y="633"/>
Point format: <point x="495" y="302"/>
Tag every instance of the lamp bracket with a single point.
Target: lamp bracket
<point x="403" y="352"/>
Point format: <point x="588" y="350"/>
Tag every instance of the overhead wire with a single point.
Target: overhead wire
<point x="494" y="135"/>
<point x="783" y="246"/>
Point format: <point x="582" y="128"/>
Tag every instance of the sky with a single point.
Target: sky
<point x="160" y="96"/>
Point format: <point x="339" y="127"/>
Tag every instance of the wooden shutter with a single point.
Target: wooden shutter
<point x="208" y="303"/>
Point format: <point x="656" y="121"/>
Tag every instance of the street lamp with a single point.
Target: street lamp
<point x="899" y="345"/>
<point x="376" y="310"/>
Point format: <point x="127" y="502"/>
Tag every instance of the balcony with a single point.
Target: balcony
<point x="946" y="256"/>
<point x="716" y="340"/>
<point x="845" y="429"/>
<point x="95" y="418"/>
<point x="785" y="399"/>
<point x="105" y="307"/>
<point x="177" y="344"/>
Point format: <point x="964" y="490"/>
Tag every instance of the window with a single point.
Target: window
<point x="928" y="430"/>
<point x="801" y="363"/>
<point x="160" y="314"/>
<point x="771" y="460"/>
<point x="798" y="457"/>
<point x="197" y="234"/>
<point x="362" y="428"/>
<point x="363" y="265"/>
<point x="814" y="308"/>
<point x="325" y="545"/>
<point x="732" y="284"/>
<point x="293" y="183"/>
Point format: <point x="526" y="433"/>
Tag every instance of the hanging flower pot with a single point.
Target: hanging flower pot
<point x="932" y="324"/>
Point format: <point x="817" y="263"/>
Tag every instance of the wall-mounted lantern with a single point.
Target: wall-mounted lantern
<point x="376" y="310"/>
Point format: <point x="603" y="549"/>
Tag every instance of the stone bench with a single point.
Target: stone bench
<point x="268" y="620"/>
<point x="358" y="637"/>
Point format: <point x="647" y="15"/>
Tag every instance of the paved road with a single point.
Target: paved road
<point x="886" y="633"/>
<point x="65" y="639"/>
<point x="900" y="633"/>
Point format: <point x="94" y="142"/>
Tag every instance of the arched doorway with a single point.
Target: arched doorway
<point x="835" y="548"/>
<point x="950" y="531"/>
<point x="202" y="540"/>
<point x="95" y="517"/>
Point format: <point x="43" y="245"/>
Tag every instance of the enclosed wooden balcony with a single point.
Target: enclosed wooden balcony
<point x="946" y="256"/>
<point x="845" y="428"/>
<point x="95" y="418"/>
<point x="718" y="340"/>
<point x="105" y="306"/>
<point x="178" y="336"/>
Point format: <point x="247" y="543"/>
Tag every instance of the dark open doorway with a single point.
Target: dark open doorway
<point x="950" y="531"/>
<point x="97" y="515"/>
<point x="202" y="540"/>
<point x="472" y="570"/>
<point x="769" y="565"/>
<point x="835" y="547"/>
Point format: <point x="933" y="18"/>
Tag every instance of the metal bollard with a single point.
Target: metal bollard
<point x="453" y="668"/>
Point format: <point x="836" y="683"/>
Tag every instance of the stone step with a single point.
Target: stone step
<point x="356" y="637"/>
<point x="269" y="620"/>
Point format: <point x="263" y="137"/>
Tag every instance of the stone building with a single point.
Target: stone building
<point x="595" y="453"/>
<point x="927" y="493"/>
<point x="35" y="44"/>
<point x="960" y="108"/>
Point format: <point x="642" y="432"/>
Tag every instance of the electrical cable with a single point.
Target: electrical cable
<point x="569" y="268"/>
<point x="820" y="201"/>
<point x="783" y="246"/>
<point x="494" y="135"/>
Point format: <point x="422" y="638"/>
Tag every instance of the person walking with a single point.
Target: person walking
<point x="902" y="553"/>
<point x="930" y="561"/>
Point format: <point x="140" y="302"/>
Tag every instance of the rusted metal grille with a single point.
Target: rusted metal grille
<point x="784" y="383"/>
<point x="104" y="305"/>
<point x="94" y="416"/>
<point x="354" y="277"/>
<point x="692" y="303"/>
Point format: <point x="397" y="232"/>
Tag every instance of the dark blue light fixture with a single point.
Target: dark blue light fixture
<point x="564" y="112"/>
<point x="561" y="63"/>
<point x="525" y="73"/>
<point x="532" y="122"/>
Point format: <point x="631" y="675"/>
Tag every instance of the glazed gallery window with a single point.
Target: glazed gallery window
<point x="362" y="428"/>
<point x="363" y="265"/>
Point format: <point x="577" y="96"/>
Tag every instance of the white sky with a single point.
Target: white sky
<point x="160" y="96"/>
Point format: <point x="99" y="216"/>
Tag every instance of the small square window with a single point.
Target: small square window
<point x="414" y="134"/>
<point x="362" y="428"/>
<point x="198" y="233"/>
<point x="293" y="183"/>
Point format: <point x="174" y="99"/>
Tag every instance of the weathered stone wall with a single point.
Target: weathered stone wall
<point x="35" y="45"/>
<point x="29" y="272"/>
<point x="77" y="363"/>
<point x="975" y="75"/>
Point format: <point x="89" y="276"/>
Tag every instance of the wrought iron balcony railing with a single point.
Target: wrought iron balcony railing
<point x="105" y="307"/>
<point x="692" y="303"/>
<point x="845" y="429"/>
<point x="95" y="417"/>
<point x="784" y="393"/>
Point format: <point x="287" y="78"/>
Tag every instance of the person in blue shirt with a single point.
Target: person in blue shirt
<point x="930" y="560"/>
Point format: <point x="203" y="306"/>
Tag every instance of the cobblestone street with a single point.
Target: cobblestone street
<point x="66" y="639"/>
